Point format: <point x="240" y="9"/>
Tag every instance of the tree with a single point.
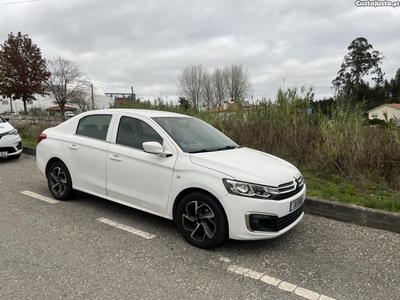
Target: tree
<point x="67" y="81"/>
<point x="361" y="60"/>
<point x="237" y="82"/>
<point x="395" y="87"/>
<point x="191" y="84"/>
<point x="22" y="69"/>
<point x="82" y="99"/>
<point x="208" y="91"/>
<point x="183" y="103"/>
<point x="219" y="85"/>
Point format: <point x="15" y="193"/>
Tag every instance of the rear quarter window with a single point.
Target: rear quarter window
<point x="95" y="126"/>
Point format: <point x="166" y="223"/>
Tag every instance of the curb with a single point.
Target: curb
<point x="29" y="150"/>
<point x="353" y="214"/>
<point x="335" y="210"/>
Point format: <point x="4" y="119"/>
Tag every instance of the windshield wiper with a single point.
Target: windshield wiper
<point x="202" y="150"/>
<point x="227" y="148"/>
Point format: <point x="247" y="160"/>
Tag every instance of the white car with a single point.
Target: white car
<point x="69" y="114"/>
<point x="177" y="167"/>
<point x="10" y="141"/>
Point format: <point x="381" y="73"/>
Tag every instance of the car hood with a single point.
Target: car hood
<point x="245" y="164"/>
<point x="5" y="127"/>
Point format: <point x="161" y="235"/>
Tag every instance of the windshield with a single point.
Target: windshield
<point x="193" y="135"/>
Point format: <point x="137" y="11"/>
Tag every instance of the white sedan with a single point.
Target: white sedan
<point x="177" y="167"/>
<point x="10" y="141"/>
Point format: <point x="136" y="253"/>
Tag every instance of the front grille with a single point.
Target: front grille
<point x="289" y="189"/>
<point x="8" y="149"/>
<point x="273" y="223"/>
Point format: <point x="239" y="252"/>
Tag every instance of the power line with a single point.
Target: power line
<point x="115" y="86"/>
<point x="9" y="3"/>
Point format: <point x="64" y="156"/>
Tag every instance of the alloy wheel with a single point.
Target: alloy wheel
<point x="198" y="219"/>
<point x="58" y="181"/>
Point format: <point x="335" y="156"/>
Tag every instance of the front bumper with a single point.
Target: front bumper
<point x="239" y="209"/>
<point x="11" y="144"/>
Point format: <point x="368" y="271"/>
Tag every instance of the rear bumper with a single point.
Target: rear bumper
<point x="238" y="210"/>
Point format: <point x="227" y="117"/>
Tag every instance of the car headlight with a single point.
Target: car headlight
<point x="13" y="132"/>
<point x="250" y="189"/>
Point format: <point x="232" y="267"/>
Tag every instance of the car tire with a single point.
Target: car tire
<point x="15" y="156"/>
<point x="202" y="220"/>
<point x="59" y="182"/>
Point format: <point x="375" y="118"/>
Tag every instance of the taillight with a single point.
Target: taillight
<point x="41" y="138"/>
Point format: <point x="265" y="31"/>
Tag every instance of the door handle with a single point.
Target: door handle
<point x="73" y="147"/>
<point x="115" y="157"/>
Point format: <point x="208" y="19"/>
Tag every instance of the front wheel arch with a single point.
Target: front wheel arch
<point x="188" y="191"/>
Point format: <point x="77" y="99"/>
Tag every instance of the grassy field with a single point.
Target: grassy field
<point x="341" y="157"/>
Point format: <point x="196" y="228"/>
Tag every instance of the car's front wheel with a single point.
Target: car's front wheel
<point x="202" y="220"/>
<point x="59" y="182"/>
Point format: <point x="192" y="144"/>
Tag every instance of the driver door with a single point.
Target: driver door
<point x="133" y="175"/>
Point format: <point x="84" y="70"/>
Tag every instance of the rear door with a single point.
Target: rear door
<point x="86" y="151"/>
<point x="133" y="175"/>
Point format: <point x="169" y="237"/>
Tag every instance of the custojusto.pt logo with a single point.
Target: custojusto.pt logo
<point x="377" y="3"/>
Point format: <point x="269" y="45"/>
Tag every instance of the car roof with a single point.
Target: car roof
<point x="142" y="112"/>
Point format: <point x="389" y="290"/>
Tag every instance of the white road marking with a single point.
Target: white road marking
<point x="127" y="228"/>
<point x="40" y="197"/>
<point x="270" y="280"/>
<point x="286" y="286"/>
<point x="283" y="285"/>
<point x="254" y="274"/>
<point x="306" y="294"/>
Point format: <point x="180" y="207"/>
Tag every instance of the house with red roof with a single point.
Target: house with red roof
<point x="391" y="109"/>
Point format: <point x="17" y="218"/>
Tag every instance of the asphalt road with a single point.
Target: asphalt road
<point x="62" y="250"/>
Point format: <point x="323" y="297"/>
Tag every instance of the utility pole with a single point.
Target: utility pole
<point x="132" y="95"/>
<point x="91" y="87"/>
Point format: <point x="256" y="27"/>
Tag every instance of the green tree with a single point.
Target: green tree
<point x="183" y="103"/>
<point x="22" y="69"/>
<point x="361" y="60"/>
<point x="395" y="87"/>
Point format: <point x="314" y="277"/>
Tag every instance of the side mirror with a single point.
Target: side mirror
<point x="155" y="148"/>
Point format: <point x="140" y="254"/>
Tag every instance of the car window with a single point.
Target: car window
<point x="193" y="135"/>
<point x="133" y="133"/>
<point x="94" y="126"/>
<point x="2" y="120"/>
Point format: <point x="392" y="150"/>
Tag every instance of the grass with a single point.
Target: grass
<point x="354" y="191"/>
<point x="29" y="142"/>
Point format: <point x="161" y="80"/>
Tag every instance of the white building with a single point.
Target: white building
<point x="101" y="101"/>
<point x="392" y="110"/>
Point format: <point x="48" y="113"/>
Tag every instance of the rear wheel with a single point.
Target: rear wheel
<point x="202" y="221"/>
<point x="59" y="182"/>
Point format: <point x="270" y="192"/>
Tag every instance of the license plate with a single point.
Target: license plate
<point x="295" y="204"/>
<point x="3" y="154"/>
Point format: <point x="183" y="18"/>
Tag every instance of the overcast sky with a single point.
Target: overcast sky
<point x="147" y="43"/>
